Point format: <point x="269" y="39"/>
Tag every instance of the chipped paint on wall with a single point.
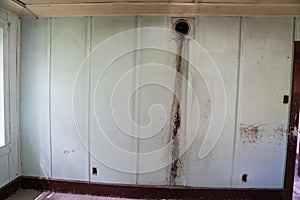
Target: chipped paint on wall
<point x="272" y="133"/>
<point x="251" y="134"/>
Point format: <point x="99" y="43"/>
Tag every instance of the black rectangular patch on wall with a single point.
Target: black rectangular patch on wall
<point x="286" y="99"/>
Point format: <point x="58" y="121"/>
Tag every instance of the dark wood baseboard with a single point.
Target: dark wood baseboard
<point x="10" y="188"/>
<point x="149" y="192"/>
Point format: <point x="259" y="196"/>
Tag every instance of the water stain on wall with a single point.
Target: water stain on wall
<point x="176" y="112"/>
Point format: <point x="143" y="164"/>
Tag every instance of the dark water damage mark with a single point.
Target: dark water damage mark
<point x="174" y="151"/>
<point x="267" y="133"/>
<point x="175" y="121"/>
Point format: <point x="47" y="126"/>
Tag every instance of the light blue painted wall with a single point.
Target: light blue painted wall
<point x="10" y="159"/>
<point x="34" y="113"/>
<point x="63" y="100"/>
<point x="265" y="74"/>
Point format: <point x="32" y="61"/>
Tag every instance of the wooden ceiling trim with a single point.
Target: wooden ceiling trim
<point x="170" y="9"/>
<point x="33" y="2"/>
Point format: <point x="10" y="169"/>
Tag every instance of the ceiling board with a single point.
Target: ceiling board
<point x="51" y="8"/>
<point x="160" y="1"/>
<point x="171" y="9"/>
<point x="99" y="1"/>
<point x="14" y="8"/>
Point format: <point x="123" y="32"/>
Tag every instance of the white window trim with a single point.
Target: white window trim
<point x="6" y="78"/>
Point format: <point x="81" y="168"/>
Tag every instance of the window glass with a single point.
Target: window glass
<point x="2" y="129"/>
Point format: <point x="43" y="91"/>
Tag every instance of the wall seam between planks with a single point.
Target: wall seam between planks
<point x="9" y="63"/>
<point x="89" y="48"/>
<point x="18" y="139"/>
<point x="136" y="103"/>
<point x="241" y="28"/>
<point x="49" y="58"/>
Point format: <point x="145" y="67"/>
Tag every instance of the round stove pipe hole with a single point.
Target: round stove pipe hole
<point x="182" y="26"/>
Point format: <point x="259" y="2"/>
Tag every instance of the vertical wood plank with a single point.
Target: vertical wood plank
<point x="220" y="38"/>
<point x="34" y="114"/>
<point x="69" y="131"/>
<point x="106" y="135"/>
<point x="262" y="122"/>
<point x="155" y="101"/>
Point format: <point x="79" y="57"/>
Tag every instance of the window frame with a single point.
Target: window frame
<point x="6" y="86"/>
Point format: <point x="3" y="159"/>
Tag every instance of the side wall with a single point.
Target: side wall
<point x="10" y="160"/>
<point x="74" y="113"/>
<point x="297" y="29"/>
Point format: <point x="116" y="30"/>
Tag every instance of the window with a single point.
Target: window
<point x="2" y="128"/>
<point x="4" y="139"/>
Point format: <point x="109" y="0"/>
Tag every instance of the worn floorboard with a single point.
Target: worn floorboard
<point x="296" y="192"/>
<point x="36" y="195"/>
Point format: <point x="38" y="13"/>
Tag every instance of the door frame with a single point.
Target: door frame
<point x="293" y="122"/>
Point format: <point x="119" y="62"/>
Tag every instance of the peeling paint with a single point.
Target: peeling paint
<point x="272" y="133"/>
<point x="277" y="135"/>
<point x="250" y="134"/>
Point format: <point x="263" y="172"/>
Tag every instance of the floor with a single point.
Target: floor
<point x="36" y="195"/>
<point x="296" y="193"/>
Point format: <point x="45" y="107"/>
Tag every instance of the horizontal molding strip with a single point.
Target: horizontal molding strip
<point x="169" y="9"/>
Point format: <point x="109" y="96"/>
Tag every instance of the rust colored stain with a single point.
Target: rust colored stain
<point x="250" y="134"/>
<point x="278" y="135"/>
<point x="254" y="130"/>
<point x="273" y="133"/>
<point x="176" y="113"/>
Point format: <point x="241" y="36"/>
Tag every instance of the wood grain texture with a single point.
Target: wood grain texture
<point x="173" y="8"/>
<point x="170" y="9"/>
<point x="38" y="195"/>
